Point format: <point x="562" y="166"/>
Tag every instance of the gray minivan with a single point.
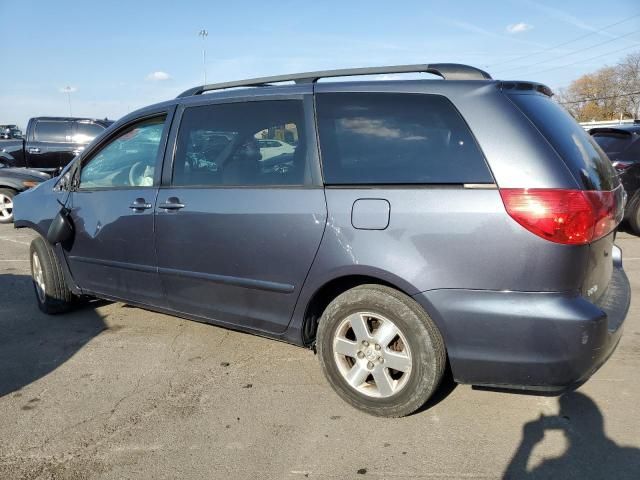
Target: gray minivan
<point x="405" y="225"/>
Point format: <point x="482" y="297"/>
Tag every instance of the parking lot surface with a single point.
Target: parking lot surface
<point x="116" y="392"/>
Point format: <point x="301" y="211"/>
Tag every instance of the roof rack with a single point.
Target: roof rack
<point x="448" y="71"/>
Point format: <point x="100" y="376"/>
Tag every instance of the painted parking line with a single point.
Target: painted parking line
<point x="13" y="240"/>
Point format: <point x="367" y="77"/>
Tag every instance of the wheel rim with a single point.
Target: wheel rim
<point x="38" y="276"/>
<point x="6" y="207"/>
<point x="372" y="354"/>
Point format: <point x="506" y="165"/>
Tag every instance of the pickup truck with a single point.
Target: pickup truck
<point x="50" y="142"/>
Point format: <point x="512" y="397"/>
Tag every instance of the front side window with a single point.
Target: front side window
<point x="129" y="160"/>
<point x="53" y="131"/>
<point x="245" y="144"/>
<point x="390" y="138"/>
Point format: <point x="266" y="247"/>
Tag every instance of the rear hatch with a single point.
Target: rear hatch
<point x="598" y="186"/>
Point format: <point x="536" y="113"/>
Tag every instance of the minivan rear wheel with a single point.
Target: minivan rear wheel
<point x="380" y="351"/>
<point x="52" y="294"/>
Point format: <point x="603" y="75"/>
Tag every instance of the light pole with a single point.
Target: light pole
<point x="68" y="90"/>
<point x="203" y="33"/>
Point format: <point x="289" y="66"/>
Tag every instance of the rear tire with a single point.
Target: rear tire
<point x="367" y="331"/>
<point x="6" y="205"/>
<point x="52" y="294"/>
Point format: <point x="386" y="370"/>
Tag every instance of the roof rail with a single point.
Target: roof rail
<point x="448" y="71"/>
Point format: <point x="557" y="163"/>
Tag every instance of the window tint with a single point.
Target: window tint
<point x="586" y="160"/>
<point x="127" y="161"/>
<point x="53" y="131"/>
<point x="388" y="138"/>
<point x="633" y="152"/>
<point x="87" y="131"/>
<point x="250" y="143"/>
<point x="619" y="145"/>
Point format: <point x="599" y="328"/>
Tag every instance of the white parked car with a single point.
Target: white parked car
<point x="272" y="148"/>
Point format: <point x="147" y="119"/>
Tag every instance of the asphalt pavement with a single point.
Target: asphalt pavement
<point x="116" y="392"/>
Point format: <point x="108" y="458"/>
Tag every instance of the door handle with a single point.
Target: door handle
<point x="172" y="203"/>
<point x="140" y="204"/>
<point x="34" y="150"/>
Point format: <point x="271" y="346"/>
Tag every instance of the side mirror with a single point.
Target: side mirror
<point x="61" y="228"/>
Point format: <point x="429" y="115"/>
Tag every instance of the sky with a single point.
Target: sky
<point x="116" y="56"/>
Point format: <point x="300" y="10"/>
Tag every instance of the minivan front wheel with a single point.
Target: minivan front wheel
<point x="52" y="293"/>
<point x="380" y="351"/>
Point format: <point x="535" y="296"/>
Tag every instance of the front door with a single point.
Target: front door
<point x="113" y="253"/>
<point x="237" y="228"/>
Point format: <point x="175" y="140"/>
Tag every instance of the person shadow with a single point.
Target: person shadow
<point x="590" y="453"/>
<point x="33" y="344"/>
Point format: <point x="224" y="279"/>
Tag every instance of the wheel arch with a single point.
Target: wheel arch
<point x="327" y="290"/>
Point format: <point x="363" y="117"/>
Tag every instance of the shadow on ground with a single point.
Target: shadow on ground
<point x="33" y="344"/>
<point x="590" y="453"/>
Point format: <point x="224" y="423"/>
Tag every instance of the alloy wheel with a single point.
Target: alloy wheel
<point x="38" y="277"/>
<point x="372" y="354"/>
<point x="6" y="207"/>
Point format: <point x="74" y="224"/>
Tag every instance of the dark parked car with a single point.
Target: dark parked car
<point x="622" y="146"/>
<point x="416" y="222"/>
<point x="10" y="131"/>
<point x="12" y="182"/>
<point x="50" y="142"/>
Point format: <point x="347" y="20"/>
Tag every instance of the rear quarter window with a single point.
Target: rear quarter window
<point x="390" y="138"/>
<point x="582" y="155"/>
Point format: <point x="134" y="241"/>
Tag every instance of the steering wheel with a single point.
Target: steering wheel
<point x="136" y="174"/>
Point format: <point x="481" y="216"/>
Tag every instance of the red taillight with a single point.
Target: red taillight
<point x="571" y="217"/>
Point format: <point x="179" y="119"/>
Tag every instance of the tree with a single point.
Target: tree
<point x="605" y="93"/>
<point x="629" y="80"/>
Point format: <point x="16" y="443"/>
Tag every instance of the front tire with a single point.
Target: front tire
<point x="52" y="294"/>
<point x="6" y="205"/>
<point x="380" y="351"/>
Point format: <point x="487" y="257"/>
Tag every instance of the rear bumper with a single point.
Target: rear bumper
<point x="529" y="340"/>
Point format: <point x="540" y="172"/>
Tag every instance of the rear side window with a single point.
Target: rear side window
<point x="586" y="160"/>
<point x="53" y="131"/>
<point x="87" y="131"/>
<point x="244" y="144"/>
<point x="390" y="138"/>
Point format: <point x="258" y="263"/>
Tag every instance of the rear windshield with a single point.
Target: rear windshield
<point x="390" y="138"/>
<point x="586" y="160"/>
<point x="619" y="146"/>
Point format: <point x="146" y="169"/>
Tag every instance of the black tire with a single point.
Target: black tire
<point x="633" y="215"/>
<point x="55" y="297"/>
<point x="426" y="346"/>
<point x="6" y="193"/>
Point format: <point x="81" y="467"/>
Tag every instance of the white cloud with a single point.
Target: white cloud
<point x="519" y="27"/>
<point x="158" y="76"/>
<point x="68" y="89"/>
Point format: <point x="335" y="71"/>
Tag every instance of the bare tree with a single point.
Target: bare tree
<point x="605" y="93"/>
<point x="629" y="80"/>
